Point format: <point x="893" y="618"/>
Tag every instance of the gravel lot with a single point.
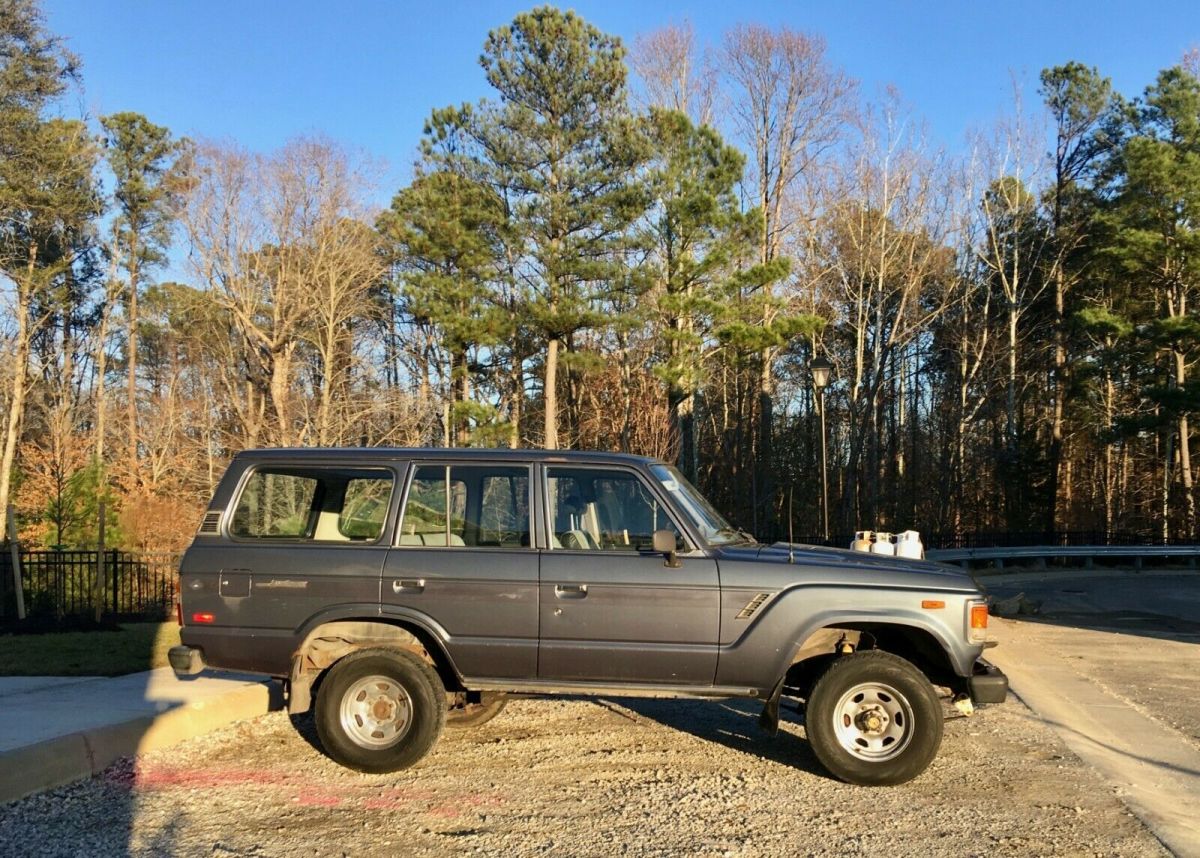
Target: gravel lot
<point x="570" y="776"/>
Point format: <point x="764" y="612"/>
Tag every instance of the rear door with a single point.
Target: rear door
<point x="611" y="609"/>
<point x="465" y="558"/>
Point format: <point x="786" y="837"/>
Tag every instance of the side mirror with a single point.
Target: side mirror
<point x="664" y="544"/>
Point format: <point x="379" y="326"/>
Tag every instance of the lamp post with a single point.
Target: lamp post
<point x="821" y="369"/>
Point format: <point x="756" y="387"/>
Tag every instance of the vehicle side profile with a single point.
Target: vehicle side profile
<point x="398" y="591"/>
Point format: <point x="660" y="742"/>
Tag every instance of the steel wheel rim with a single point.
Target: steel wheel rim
<point x="873" y="721"/>
<point x="376" y="712"/>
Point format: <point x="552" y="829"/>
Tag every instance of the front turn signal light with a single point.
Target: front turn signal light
<point x="978" y="622"/>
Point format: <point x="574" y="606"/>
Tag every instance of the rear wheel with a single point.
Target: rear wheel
<point x="469" y="709"/>
<point x="874" y="719"/>
<point x="380" y="710"/>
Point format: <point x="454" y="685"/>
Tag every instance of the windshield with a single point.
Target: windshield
<point x="711" y="524"/>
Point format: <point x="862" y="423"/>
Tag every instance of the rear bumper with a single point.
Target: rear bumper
<point x="186" y="660"/>
<point x="987" y="684"/>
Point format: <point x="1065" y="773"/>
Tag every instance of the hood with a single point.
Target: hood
<point x="846" y="562"/>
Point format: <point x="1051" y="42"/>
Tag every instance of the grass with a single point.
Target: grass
<point x="134" y="647"/>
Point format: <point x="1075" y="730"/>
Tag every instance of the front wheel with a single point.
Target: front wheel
<point x="380" y="710"/>
<point x="873" y="719"/>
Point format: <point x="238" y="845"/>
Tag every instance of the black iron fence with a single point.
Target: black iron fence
<point x="61" y="583"/>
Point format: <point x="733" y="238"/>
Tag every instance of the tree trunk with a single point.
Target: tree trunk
<point x="681" y="405"/>
<point x="550" y="396"/>
<point x="16" y="405"/>
<point x="281" y="377"/>
<point x="1185" y="456"/>
<point x="764" y="467"/>
<point x="131" y="361"/>
<point x="517" y="376"/>
<point x="101" y="372"/>
<point x="1109" y="477"/>
<point x="1058" y="392"/>
<point x="1166" y="487"/>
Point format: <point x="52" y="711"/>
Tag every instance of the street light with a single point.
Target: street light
<point x="821" y="369"/>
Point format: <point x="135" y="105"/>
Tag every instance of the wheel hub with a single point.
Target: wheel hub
<point x="376" y="712"/>
<point x="383" y="710"/>
<point x="873" y="721"/>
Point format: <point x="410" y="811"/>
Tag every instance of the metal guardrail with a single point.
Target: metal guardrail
<point x="1039" y="554"/>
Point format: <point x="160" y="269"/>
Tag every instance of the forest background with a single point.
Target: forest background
<point x="617" y="246"/>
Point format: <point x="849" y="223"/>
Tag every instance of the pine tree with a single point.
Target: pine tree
<point x="562" y="137"/>
<point x="144" y="159"/>
<point x="1155" y="242"/>
<point x="443" y="230"/>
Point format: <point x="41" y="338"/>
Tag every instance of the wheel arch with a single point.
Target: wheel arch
<point x="327" y="641"/>
<point x="914" y="643"/>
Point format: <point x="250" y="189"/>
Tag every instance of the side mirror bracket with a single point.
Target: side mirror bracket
<point x="664" y="544"/>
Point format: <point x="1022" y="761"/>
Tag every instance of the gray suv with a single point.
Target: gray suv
<point x="399" y="591"/>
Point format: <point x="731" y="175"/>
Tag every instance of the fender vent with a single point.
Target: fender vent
<point x="211" y="523"/>
<point x="752" y="606"/>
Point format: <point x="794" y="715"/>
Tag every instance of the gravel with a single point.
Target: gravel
<point x="597" y="776"/>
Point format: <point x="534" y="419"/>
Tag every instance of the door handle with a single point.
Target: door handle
<point x="570" y="591"/>
<point x="411" y="585"/>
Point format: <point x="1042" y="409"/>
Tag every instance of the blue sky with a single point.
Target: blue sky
<point x="368" y="73"/>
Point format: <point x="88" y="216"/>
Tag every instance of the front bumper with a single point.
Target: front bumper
<point x="186" y="660"/>
<point x="987" y="684"/>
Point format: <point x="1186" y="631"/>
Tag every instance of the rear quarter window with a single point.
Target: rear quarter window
<point x="317" y="504"/>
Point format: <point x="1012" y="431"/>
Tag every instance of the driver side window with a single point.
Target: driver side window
<point x="597" y="509"/>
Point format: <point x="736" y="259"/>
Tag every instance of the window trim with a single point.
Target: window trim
<point x="248" y="474"/>
<point x="690" y="544"/>
<point x="415" y="465"/>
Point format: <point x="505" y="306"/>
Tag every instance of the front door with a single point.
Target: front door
<point x="610" y="608"/>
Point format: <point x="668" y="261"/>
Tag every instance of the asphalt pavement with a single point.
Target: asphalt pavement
<point x="1111" y="660"/>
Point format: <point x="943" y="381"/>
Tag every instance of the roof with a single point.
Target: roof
<point x="442" y="454"/>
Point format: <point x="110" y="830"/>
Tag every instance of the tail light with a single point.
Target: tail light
<point x="203" y="617"/>
<point x="977" y="622"/>
<point x="178" y="611"/>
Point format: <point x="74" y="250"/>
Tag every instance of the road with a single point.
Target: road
<point x="1111" y="659"/>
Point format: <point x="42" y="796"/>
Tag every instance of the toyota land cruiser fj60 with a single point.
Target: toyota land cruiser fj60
<point x="398" y="591"/>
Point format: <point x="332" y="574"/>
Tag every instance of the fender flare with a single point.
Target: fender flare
<point x="404" y="626"/>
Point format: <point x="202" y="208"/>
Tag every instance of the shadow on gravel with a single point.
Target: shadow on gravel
<point x="1162" y="606"/>
<point x="732" y="723"/>
<point x="306" y="727"/>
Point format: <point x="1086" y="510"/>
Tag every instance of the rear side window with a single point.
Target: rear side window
<point x="318" y="504"/>
<point x="467" y="506"/>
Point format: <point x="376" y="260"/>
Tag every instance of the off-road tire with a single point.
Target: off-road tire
<point x="873" y="719"/>
<point x="403" y="686"/>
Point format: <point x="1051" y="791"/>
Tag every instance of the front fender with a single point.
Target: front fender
<point x="763" y="652"/>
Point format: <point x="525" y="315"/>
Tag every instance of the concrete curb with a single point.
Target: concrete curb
<point x="74" y="756"/>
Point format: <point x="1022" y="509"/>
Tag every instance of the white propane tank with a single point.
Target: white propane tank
<point x="908" y="544"/>
<point x="883" y="543"/>
<point x="862" y="540"/>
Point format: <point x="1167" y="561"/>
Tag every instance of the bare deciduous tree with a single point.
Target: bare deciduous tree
<point x="675" y="73"/>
